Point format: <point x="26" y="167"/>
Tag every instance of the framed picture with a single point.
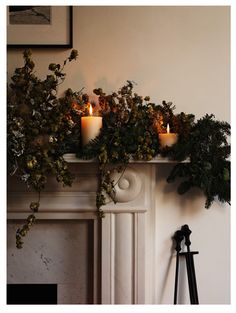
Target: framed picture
<point x="39" y="26"/>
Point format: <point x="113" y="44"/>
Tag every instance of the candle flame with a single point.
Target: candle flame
<point x="168" y="128"/>
<point x="90" y="109"/>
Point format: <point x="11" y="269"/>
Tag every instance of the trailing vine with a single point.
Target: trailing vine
<point x="38" y="122"/>
<point x="42" y="127"/>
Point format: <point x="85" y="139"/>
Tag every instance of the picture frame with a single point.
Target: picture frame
<point x="57" y="33"/>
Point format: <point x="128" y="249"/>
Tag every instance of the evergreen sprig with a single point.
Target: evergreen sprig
<point x="209" y="167"/>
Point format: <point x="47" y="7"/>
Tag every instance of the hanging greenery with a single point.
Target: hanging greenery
<point x="42" y="127"/>
<point x="38" y="123"/>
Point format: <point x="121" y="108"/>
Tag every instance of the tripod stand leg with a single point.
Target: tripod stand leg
<point x="191" y="276"/>
<point x="190" y="266"/>
<point x="178" y="237"/>
<point x="176" y="278"/>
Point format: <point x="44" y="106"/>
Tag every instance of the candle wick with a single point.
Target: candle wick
<point x="168" y="128"/>
<point x="90" y="109"/>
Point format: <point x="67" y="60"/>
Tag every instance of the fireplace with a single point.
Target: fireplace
<point x="113" y="258"/>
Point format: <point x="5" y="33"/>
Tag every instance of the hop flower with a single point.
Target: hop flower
<point x="34" y="206"/>
<point x="73" y="55"/>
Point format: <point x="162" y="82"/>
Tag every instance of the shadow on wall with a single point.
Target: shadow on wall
<point x="190" y="203"/>
<point x="168" y="277"/>
<point x="167" y="273"/>
<point x="176" y="210"/>
<point x="106" y="85"/>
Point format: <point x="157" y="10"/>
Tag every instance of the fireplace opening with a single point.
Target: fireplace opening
<point x="56" y="252"/>
<point x="31" y="293"/>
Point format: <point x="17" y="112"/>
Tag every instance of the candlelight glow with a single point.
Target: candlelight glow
<point x="168" y="128"/>
<point x="90" y="109"/>
<point x="90" y="126"/>
<point x="167" y="139"/>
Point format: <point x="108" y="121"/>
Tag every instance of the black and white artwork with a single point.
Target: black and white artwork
<point x="39" y="26"/>
<point x="29" y="15"/>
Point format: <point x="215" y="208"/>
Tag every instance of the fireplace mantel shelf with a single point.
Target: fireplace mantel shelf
<point x="71" y="158"/>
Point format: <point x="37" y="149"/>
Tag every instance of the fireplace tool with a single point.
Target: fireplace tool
<point x="184" y="233"/>
<point x="178" y="237"/>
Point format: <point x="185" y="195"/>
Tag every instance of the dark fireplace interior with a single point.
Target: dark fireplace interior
<point x="31" y="293"/>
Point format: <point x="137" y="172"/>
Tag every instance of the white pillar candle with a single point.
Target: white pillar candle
<point x="167" y="139"/>
<point x="90" y="127"/>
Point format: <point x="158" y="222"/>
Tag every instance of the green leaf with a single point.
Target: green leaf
<point x="226" y="174"/>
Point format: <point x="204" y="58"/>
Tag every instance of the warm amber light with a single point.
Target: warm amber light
<point x="90" y="109"/>
<point x="168" y="128"/>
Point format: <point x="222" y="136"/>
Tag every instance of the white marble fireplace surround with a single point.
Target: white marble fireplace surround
<point x="124" y="244"/>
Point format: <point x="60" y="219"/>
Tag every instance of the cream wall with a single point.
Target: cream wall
<point x="180" y="54"/>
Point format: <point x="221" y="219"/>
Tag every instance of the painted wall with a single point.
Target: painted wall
<point x="178" y="54"/>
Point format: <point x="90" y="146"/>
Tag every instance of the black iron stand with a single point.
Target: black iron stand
<point x="192" y="283"/>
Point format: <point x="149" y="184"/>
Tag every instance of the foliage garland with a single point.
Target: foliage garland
<point x="42" y="127"/>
